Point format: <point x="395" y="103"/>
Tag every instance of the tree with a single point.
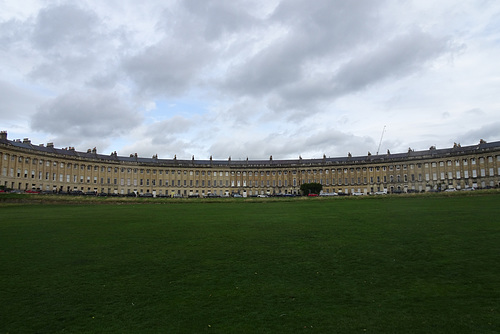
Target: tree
<point x="311" y="188"/>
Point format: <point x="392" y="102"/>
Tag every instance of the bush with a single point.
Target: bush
<point x="311" y="188"/>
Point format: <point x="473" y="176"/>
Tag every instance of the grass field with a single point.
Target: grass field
<point x="379" y="265"/>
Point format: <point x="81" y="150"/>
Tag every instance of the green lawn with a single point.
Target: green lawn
<point x="357" y="265"/>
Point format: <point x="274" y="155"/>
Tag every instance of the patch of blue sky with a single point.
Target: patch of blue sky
<point x="185" y="107"/>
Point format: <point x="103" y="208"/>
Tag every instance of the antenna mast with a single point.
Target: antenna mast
<point x="381" y="136"/>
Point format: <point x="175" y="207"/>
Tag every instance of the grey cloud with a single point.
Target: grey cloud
<point x="216" y="18"/>
<point x="74" y="45"/>
<point x="63" y="26"/>
<point x="487" y="132"/>
<point x="191" y="33"/>
<point x="12" y="32"/>
<point x="84" y="114"/>
<point x="397" y="58"/>
<point x="168" y="68"/>
<point x="313" y="30"/>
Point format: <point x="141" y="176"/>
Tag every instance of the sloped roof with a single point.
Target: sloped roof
<point x="410" y="155"/>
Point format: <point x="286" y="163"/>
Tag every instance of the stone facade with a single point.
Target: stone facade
<point x="25" y="166"/>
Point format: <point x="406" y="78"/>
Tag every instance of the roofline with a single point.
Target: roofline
<point x="70" y="152"/>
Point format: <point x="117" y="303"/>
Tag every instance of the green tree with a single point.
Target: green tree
<point x="311" y="188"/>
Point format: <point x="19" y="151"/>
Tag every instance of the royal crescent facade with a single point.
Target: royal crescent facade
<point x="26" y="166"/>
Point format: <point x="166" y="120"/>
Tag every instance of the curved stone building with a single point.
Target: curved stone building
<point x="26" y="166"/>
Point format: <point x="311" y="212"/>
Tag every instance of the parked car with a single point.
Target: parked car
<point x="312" y="195"/>
<point x="384" y="192"/>
<point x="450" y="189"/>
<point x="329" y="194"/>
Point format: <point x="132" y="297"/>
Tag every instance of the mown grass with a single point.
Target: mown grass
<point x="380" y="265"/>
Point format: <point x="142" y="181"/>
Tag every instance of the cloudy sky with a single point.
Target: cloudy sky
<point x="250" y="78"/>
